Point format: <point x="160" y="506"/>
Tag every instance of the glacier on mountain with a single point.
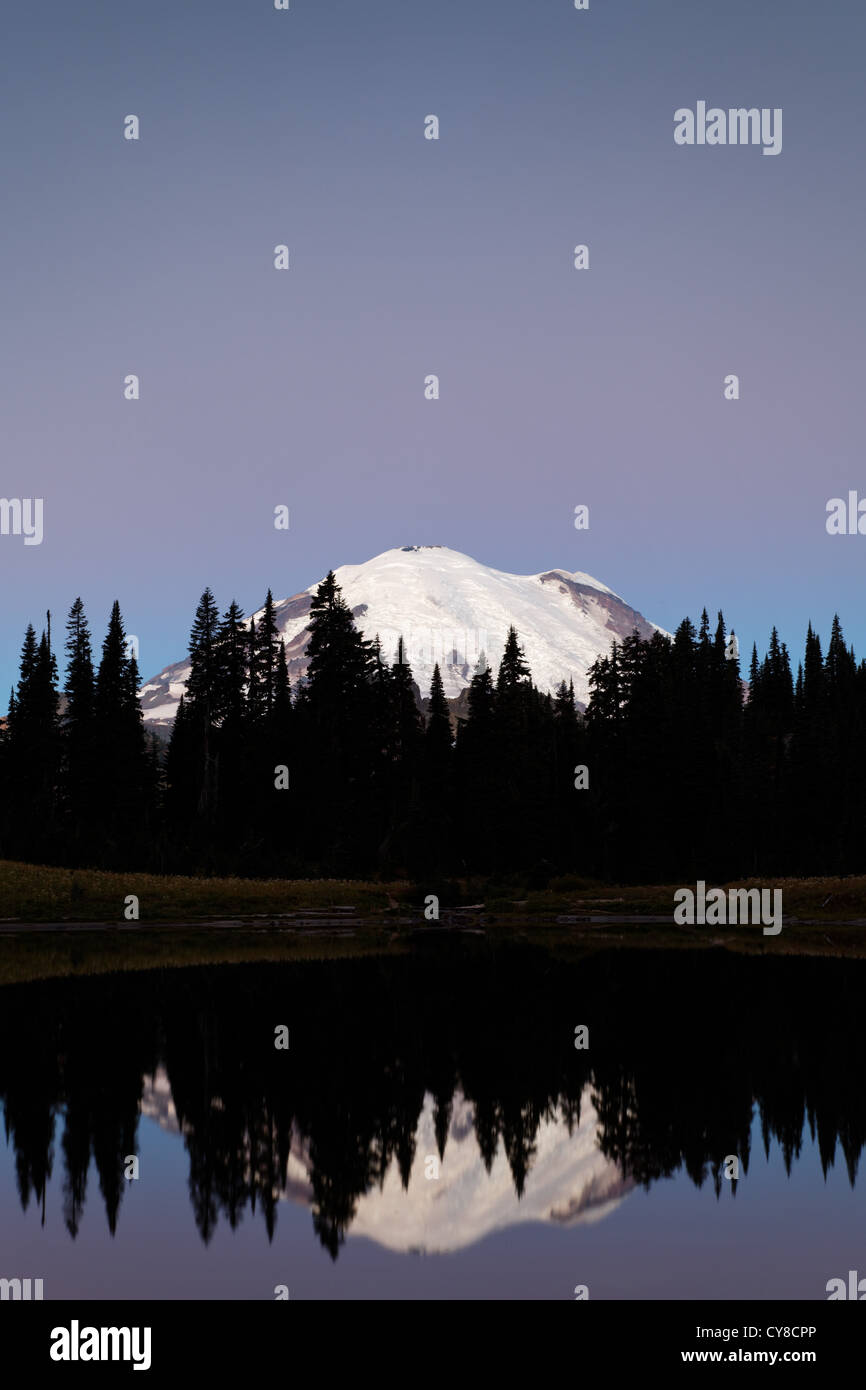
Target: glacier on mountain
<point x="453" y="610"/>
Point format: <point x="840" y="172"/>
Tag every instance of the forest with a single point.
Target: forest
<point x="677" y="770"/>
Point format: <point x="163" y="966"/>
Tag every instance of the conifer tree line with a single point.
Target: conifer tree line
<point x="688" y="773"/>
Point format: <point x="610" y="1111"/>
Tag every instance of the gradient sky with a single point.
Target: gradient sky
<point x="411" y="257"/>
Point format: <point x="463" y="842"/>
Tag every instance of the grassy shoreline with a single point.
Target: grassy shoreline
<point x="36" y="893"/>
<point x="60" y="922"/>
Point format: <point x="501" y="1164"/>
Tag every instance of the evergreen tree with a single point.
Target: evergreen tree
<point x="407" y="723"/>
<point x="517" y="762"/>
<point x="27" y="667"/>
<point x="32" y="754"/>
<point x="477" y="773"/>
<point x="267" y="747"/>
<point x="278" y="831"/>
<point x="568" y="801"/>
<point x="338" y="656"/>
<point x="438" y="737"/>
<point x="202" y="683"/>
<point x="335" y="717"/>
<point x="181" y="790"/>
<point x="78" y="738"/>
<point x="230" y="678"/>
<point x="265" y="656"/>
<point x="403" y="841"/>
<point x="721" y="738"/>
<point x="844" y="798"/>
<point x="255" y="707"/>
<point x="437" y="789"/>
<point x="513" y="670"/>
<point x="79" y="684"/>
<point x="381" y="751"/>
<point x="282" y="703"/>
<point x="606" y="753"/>
<point x="202" y="699"/>
<point x="122" y="767"/>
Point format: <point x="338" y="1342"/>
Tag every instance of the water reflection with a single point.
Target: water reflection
<point x="453" y="1201"/>
<point x="461" y="1053"/>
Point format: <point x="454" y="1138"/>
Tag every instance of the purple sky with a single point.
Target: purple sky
<point x="411" y="257"/>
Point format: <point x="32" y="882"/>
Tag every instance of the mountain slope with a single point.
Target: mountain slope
<point x="451" y="609"/>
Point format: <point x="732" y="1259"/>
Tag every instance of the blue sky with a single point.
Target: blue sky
<point x="411" y="257"/>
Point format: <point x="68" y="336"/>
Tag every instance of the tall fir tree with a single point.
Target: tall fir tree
<point x="436" y="846"/>
<point x="231" y="659"/>
<point x="335" y="713"/>
<point x="202" y="689"/>
<point x="477" y="773"/>
<point x="279" y="813"/>
<point x="123" y="789"/>
<point x="403" y="845"/>
<point x="230" y="738"/>
<point x="203" y="679"/>
<point x="33" y="755"/>
<point x="79" y="728"/>
<point x="265" y="656"/>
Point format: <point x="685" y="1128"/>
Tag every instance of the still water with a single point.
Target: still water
<point x="432" y="1131"/>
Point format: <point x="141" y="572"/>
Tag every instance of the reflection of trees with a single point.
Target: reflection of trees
<point x="682" y="1048"/>
<point x="782" y="1034"/>
<point x="81" y="1048"/>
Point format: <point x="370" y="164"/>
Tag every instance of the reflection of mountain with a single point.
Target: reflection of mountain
<point x="156" y="1102"/>
<point x="570" y="1180"/>
<point x="462" y="1048"/>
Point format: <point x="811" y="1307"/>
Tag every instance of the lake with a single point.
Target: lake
<point x="432" y="1130"/>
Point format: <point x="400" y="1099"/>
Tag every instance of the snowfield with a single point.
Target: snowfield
<point x="453" y="610"/>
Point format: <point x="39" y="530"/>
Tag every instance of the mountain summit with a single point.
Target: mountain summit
<point x="455" y="611"/>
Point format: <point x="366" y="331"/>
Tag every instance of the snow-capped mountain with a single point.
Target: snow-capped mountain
<point x="452" y="610"/>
